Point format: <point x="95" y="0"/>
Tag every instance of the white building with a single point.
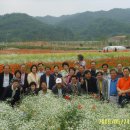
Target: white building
<point x="114" y="48"/>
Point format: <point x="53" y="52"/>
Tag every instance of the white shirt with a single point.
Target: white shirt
<point x="60" y="92"/>
<point x="14" y="91"/>
<point x="106" y="75"/>
<point x="48" y="93"/>
<point x="40" y="74"/>
<point x="83" y="63"/>
<point x="47" y="81"/>
<point x="6" y="80"/>
<point x="23" y="78"/>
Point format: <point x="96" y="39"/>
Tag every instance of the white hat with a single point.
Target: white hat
<point x="58" y="80"/>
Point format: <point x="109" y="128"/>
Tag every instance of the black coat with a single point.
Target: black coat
<point x="57" y="76"/>
<point x="80" y="75"/>
<point x="2" y="80"/>
<point x="25" y="86"/>
<point x="8" y="94"/>
<point x="30" y="92"/>
<point x="51" y="80"/>
<point x="55" y="90"/>
<point x="91" y="85"/>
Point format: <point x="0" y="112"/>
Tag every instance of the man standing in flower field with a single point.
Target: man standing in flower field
<point x="93" y="68"/>
<point x="24" y="76"/>
<point x="89" y="83"/>
<point x="40" y="69"/>
<point x="102" y="85"/>
<point x="123" y="87"/>
<point x="48" y="78"/>
<point x="106" y="73"/>
<point x="80" y="73"/>
<point x="119" y="71"/>
<point x="5" y="79"/>
<point x="112" y="89"/>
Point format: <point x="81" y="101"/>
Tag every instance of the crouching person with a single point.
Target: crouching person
<point x="12" y="93"/>
<point x="44" y="91"/>
<point x="74" y="86"/>
<point x="59" y="88"/>
<point x="32" y="90"/>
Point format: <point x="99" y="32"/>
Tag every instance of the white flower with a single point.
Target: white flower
<point x="52" y="113"/>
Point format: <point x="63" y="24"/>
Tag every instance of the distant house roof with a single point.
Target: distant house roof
<point x="117" y="38"/>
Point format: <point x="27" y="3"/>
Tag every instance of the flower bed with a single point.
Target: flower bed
<point x="112" y="62"/>
<point x="52" y="113"/>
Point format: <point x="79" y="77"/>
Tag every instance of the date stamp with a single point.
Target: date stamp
<point x="114" y="121"/>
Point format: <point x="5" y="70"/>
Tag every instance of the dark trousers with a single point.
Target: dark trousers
<point x="3" y="89"/>
<point x="121" y="98"/>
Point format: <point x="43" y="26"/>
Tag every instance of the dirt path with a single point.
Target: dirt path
<point x="38" y="51"/>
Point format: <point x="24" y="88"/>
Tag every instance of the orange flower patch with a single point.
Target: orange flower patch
<point x="112" y="62"/>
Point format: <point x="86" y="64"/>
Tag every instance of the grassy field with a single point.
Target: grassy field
<point x="51" y="59"/>
<point x="58" y="57"/>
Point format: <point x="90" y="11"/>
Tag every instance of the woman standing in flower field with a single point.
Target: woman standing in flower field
<point x="33" y="76"/>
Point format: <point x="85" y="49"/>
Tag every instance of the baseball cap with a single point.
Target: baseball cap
<point x="58" y="80"/>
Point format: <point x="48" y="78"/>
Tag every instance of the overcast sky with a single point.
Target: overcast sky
<point x="59" y="7"/>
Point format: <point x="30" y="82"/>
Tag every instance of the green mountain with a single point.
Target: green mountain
<point x="94" y="25"/>
<point x="81" y="26"/>
<point x="22" y="27"/>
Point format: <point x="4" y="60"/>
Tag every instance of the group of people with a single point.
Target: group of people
<point x="111" y="85"/>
